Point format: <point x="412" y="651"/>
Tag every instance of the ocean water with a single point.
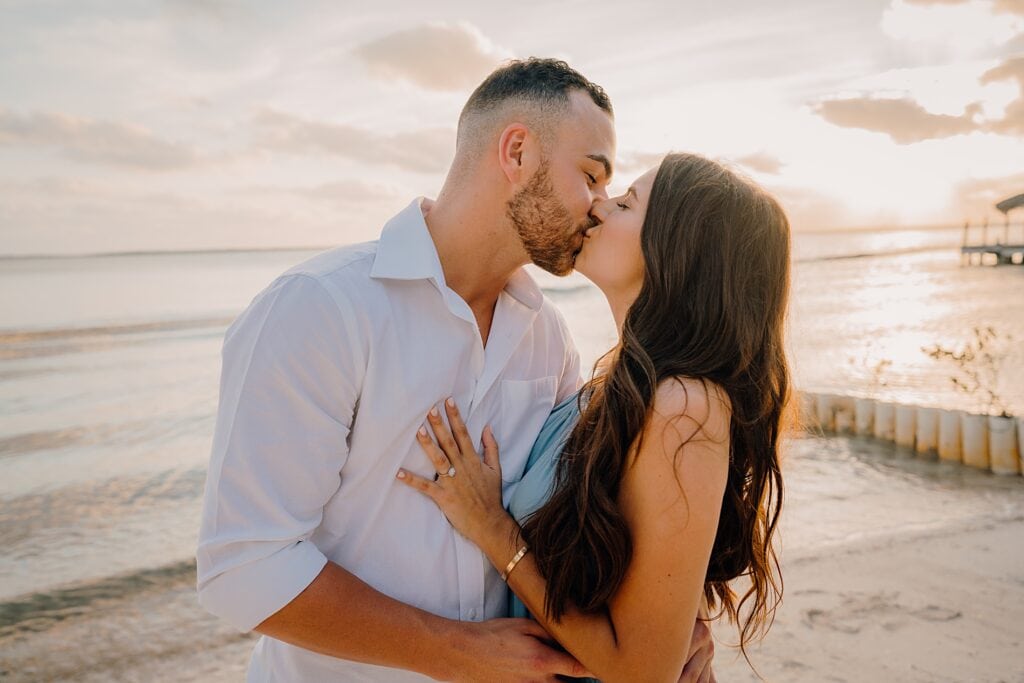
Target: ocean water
<point x="109" y="369"/>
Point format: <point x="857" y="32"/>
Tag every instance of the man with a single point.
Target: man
<point x="306" y="536"/>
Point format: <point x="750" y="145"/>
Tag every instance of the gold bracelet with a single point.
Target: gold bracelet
<point x="514" y="561"/>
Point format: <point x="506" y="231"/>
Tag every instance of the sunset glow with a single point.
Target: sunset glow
<point x="193" y="125"/>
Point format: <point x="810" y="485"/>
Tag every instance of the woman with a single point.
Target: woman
<point x="659" y="483"/>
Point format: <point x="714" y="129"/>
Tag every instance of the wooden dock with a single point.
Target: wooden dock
<point x="1005" y="251"/>
<point x="1006" y="254"/>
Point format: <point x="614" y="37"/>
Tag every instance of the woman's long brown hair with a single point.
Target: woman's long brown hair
<point x="712" y="307"/>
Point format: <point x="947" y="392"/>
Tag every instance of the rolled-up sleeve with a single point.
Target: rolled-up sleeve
<point x="293" y="365"/>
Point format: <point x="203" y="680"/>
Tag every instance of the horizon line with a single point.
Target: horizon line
<point x="257" y="250"/>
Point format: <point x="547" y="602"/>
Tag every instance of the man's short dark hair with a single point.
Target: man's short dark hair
<point x="534" y="79"/>
<point x="543" y="83"/>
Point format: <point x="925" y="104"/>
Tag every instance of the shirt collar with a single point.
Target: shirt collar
<point x="406" y="251"/>
<point x="524" y="289"/>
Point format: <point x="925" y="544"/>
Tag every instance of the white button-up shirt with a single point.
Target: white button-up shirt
<point x="326" y="378"/>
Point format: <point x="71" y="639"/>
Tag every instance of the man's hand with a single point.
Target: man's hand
<point x="702" y="651"/>
<point x="341" y="616"/>
<point x="508" y="650"/>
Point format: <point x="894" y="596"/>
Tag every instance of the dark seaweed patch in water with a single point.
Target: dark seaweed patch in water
<point x="41" y="611"/>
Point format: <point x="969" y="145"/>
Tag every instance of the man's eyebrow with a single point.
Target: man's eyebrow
<point x="602" y="159"/>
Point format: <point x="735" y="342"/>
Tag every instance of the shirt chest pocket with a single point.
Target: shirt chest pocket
<point x="525" y="405"/>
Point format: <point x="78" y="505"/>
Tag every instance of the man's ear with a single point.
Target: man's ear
<point x="517" y="153"/>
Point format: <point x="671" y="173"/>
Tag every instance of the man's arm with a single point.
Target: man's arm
<point x="340" y="616"/>
<point x="700" y="659"/>
<point x="293" y="366"/>
<point x="292" y="370"/>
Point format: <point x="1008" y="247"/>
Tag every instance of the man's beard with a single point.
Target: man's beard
<point x="544" y="225"/>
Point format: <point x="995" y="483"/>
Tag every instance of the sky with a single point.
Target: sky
<point x="200" y="124"/>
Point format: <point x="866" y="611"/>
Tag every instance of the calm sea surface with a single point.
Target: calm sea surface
<point x="108" y="386"/>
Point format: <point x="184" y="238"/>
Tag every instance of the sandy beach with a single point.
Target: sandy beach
<point x="927" y="606"/>
<point x="920" y="606"/>
<point x="910" y="571"/>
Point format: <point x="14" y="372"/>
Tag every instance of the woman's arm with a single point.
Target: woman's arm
<point x="671" y="495"/>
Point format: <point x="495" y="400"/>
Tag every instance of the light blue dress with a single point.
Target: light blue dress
<point x="534" y="488"/>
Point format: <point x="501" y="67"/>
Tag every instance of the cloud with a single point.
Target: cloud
<point x="345" y="193"/>
<point x="975" y="199"/>
<point x="435" y="56"/>
<point x="53" y="186"/>
<point x="997" y="7"/>
<point x="761" y="162"/>
<point x="631" y="162"/>
<point x="217" y="9"/>
<point x="906" y="121"/>
<point x="94" y="141"/>
<point x="902" y="119"/>
<point x="429" y="150"/>
<point x="49" y="215"/>
<point x="809" y="209"/>
<point x="1009" y="7"/>
<point x="1012" y="122"/>
<point x="954" y="28"/>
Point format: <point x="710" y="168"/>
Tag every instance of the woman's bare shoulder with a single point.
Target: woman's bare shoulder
<point x="695" y="408"/>
<point x="681" y="462"/>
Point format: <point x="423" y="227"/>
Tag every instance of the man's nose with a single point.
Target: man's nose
<point x="599" y="209"/>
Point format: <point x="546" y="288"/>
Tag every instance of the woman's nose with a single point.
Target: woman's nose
<point x="599" y="210"/>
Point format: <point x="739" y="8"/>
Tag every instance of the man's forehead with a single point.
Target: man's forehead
<point x="584" y="111"/>
<point x="592" y="130"/>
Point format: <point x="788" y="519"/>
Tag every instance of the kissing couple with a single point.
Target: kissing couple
<point x="411" y="478"/>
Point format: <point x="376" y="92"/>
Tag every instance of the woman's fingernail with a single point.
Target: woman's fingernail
<point x="422" y="431"/>
<point x="433" y="411"/>
<point x="401" y="474"/>
<point x="450" y="401"/>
